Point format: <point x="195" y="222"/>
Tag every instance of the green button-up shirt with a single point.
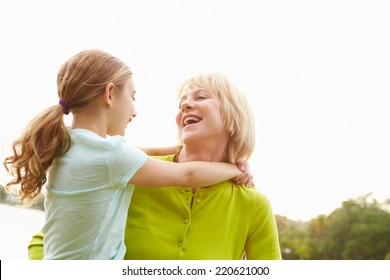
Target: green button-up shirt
<point x="224" y="222"/>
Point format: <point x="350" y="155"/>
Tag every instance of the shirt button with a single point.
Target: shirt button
<point x="180" y="243"/>
<point x="186" y="221"/>
<point x="198" y="201"/>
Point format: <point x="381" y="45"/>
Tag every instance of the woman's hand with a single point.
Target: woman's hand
<point x="246" y="177"/>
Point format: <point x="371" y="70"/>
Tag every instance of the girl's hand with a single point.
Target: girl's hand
<point x="246" y="177"/>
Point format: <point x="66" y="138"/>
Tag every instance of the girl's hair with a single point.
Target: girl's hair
<point x="80" y="80"/>
<point x="236" y="113"/>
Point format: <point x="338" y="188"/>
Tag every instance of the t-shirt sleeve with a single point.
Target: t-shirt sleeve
<point x="124" y="160"/>
<point x="263" y="241"/>
<point x="35" y="247"/>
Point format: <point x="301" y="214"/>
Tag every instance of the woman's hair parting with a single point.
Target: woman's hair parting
<point x="80" y="80"/>
<point x="236" y="112"/>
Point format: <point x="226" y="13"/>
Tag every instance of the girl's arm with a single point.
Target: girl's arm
<point x="161" y="151"/>
<point x="194" y="174"/>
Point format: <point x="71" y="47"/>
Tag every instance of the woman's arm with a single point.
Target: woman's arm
<point x="35" y="248"/>
<point x="263" y="237"/>
<point x="194" y="174"/>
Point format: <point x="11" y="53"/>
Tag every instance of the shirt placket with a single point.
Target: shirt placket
<point x="192" y="201"/>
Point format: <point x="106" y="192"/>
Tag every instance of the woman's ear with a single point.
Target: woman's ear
<point x="107" y="95"/>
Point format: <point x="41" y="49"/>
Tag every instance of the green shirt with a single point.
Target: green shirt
<point x="223" y="222"/>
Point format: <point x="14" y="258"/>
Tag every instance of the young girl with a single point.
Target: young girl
<point x="91" y="168"/>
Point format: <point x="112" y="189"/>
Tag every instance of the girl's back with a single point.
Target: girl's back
<point x="87" y="197"/>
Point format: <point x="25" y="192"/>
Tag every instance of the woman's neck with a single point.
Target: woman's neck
<point x="212" y="153"/>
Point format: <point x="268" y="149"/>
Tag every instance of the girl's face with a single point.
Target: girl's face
<point x="123" y="109"/>
<point x="199" y="118"/>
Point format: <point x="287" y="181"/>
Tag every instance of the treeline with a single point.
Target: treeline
<point x="9" y="199"/>
<point x="358" y="230"/>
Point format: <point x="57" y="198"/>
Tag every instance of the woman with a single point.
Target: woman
<point x="225" y="221"/>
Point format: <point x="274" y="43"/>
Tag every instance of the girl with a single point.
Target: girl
<point x="90" y="168"/>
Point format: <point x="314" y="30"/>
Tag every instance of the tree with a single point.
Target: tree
<point x="360" y="229"/>
<point x="6" y="198"/>
<point x="291" y="238"/>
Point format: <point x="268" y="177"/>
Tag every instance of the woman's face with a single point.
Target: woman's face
<point x="199" y="118"/>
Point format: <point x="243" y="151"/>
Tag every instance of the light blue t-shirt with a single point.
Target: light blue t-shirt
<point x="87" y="197"/>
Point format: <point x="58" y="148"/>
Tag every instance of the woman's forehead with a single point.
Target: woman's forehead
<point x="194" y="89"/>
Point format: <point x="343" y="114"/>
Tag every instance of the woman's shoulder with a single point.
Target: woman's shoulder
<point x="251" y="196"/>
<point x="247" y="191"/>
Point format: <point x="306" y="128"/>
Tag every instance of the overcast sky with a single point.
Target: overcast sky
<point x="316" y="74"/>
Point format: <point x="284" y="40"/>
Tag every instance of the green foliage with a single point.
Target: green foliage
<point x="291" y="234"/>
<point x="360" y="229"/>
<point x="7" y="198"/>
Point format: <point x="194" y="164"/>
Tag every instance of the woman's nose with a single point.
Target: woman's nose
<point x="186" y="105"/>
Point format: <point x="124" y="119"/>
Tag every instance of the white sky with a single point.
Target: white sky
<point x="316" y="73"/>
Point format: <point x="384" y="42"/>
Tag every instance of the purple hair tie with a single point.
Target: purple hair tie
<point x="65" y="107"/>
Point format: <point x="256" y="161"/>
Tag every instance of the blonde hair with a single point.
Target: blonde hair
<point x="237" y="115"/>
<point x="80" y="80"/>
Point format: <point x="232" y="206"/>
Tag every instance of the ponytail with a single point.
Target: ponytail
<point x="45" y="138"/>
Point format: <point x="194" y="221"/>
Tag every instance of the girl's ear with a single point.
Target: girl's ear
<point x="107" y="94"/>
